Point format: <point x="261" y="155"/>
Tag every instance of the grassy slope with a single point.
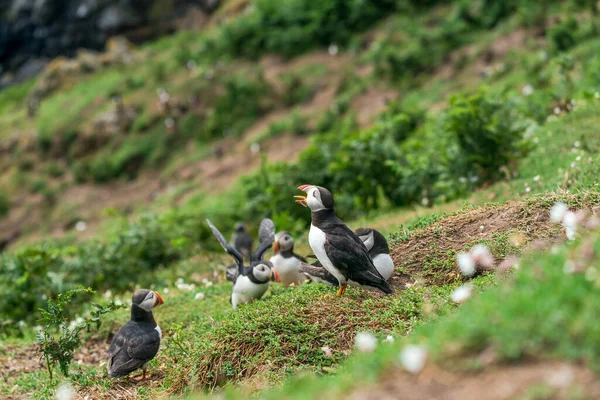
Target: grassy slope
<point x="271" y="343"/>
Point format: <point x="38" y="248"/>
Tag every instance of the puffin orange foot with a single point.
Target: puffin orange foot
<point x="140" y="378"/>
<point x="342" y="289"/>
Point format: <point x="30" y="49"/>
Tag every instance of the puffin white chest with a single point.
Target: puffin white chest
<point x="245" y="291"/>
<point x="288" y="269"/>
<point x="157" y="329"/>
<point x="316" y="239"/>
<point x="384" y="264"/>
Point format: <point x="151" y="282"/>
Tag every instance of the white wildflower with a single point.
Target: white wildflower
<point x="557" y="213"/>
<point x="191" y="64"/>
<point x="186" y="287"/>
<point x="65" y="392"/>
<point x="365" y="342"/>
<point x="570" y="224"/>
<point x="118" y="302"/>
<point x="527" y="189"/>
<point x="389" y="339"/>
<point x="481" y="255"/>
<point x="577" y="143"/>
<point x="333" y="50"/>
<point x="80" y="226"/>
<point x="536" y="178"/>
<point x="466" y="264"/>
<point x="75" y="323"/>
<point x="569" y="267"/>
<point x="462" y="179"/>
<point x="327" y="351"/>
<point x="164" y="96"/>
<point x="413" y="358"/>
<point x="255" y="147"/>
<point x="570" y="233"/>
<point x="425" y="201"/>
<point x="461" y="294"/>
<point x="107" y="294"/>
<point x="166" y="291"/>
<point x="508" y="263"/>
<point x="199" y="296"/>
<point x="527" y="90"/>
<point x="556" y="110"/>
<point x="169" y="123"/>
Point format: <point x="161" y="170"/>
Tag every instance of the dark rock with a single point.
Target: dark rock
<point x="38" y="29"/>
<point x="117" y="18"/>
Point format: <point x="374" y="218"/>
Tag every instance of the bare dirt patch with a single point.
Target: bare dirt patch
<point x="370" y="104"/>
<point x="549" y="380"/>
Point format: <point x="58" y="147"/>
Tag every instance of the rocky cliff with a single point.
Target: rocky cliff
<point x="34" y="31"/>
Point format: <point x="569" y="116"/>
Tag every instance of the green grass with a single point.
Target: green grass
<point x="539" y="313"/>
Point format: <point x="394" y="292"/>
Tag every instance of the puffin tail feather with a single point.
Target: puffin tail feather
<point x="384" y="287"/>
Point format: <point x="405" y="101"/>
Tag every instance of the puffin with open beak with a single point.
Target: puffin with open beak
<point x="285" y="262"/>
<point x="337" y="248"/>
<point x="138" y="341"/>
<point x="250" y="282"/>
<point x="379" y="252"/>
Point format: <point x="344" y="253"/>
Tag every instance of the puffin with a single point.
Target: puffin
<point x="250" y="282"/>
<point x="242" y="241"/>
<point x="338" y="249"/>
<point x="379" y="252"/>
<point x="138" y="341"/>
<point x="285" y="262"/>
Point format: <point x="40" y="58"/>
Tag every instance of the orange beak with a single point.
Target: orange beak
<point x="302" y="199"/>
<point x="276" y="275"/>
<point x="276" y="247"/>
<point x="159" y="300"/>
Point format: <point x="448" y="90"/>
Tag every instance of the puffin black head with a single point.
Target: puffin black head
<point x="283" y="242"/>
<point x="263" y="272"/>
<point x="373" y="240"/>
<point x="146" y="300"/>
<point x="317" y="198"/>
<point x="240" y="227"/>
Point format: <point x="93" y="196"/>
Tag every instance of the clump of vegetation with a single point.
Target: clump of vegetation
<point x="489" y="134"/>
<point x="401" y="160"/>
<point x="59" y="350"/>
<point x="148" y="244"/>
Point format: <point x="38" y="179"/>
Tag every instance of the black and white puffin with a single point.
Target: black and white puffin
<point x="338" y="249"/>
<point x="242" y="241"/>
<point x="285" y="262"/>
<point x="379" y="252"/>
<point x="138" y="341"/>
<point x="250" y="282"/>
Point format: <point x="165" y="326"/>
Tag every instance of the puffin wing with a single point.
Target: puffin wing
<point x="233" y="252"/>
<point x="130" y="349"/>
<point x="319" y="272"/>
<point x="266" y="236"/>
<point x="232" y="273"/>
<point x="299" y="257"/>
<point x="352" y="259"/>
